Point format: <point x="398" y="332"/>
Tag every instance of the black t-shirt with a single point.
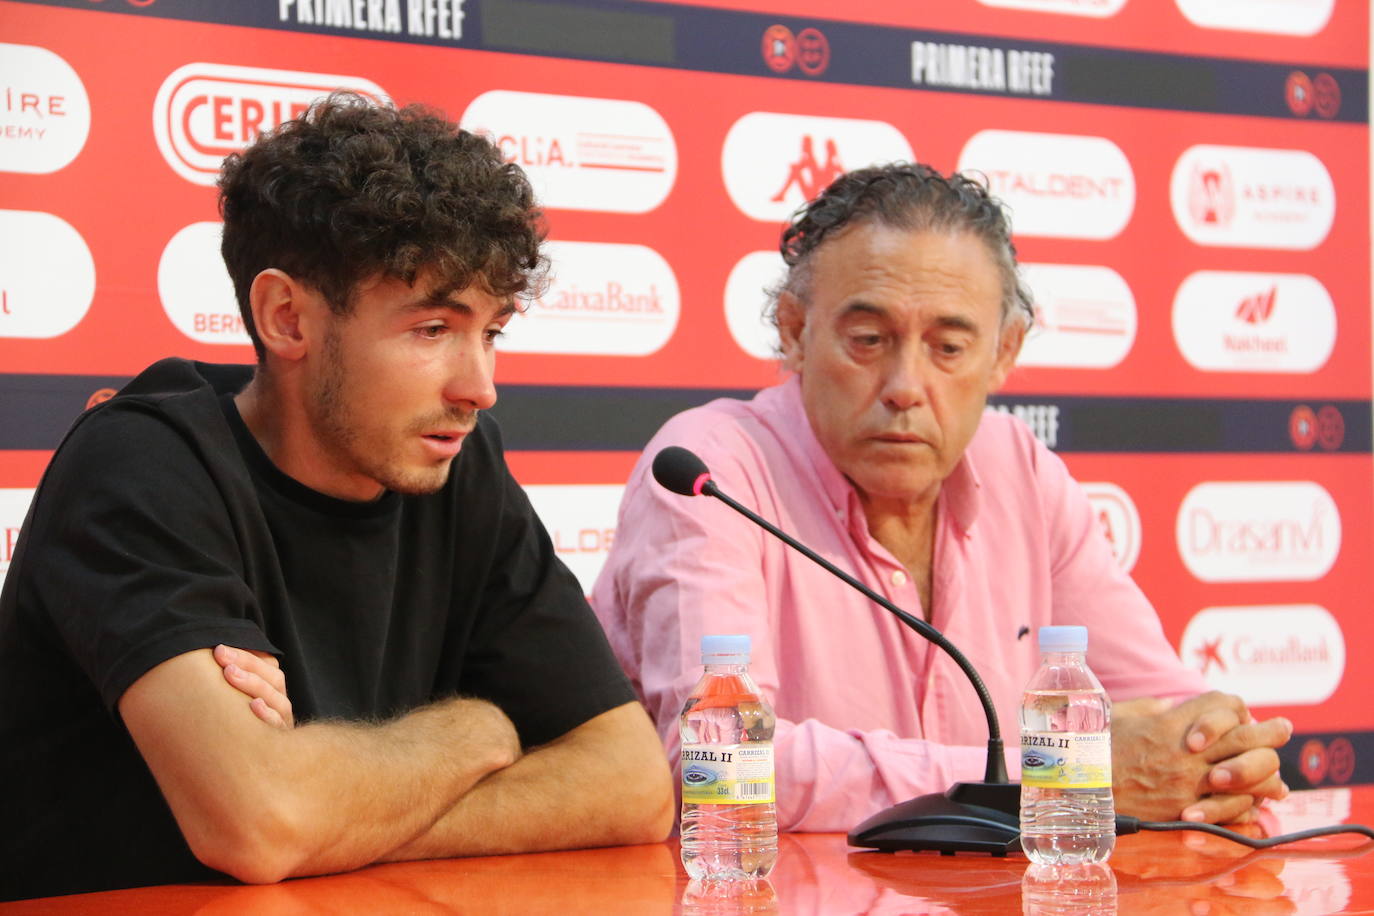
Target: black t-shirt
<point x="161" y="527"/>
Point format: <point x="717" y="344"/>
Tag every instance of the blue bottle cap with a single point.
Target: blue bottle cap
<point x="725" y="650"/>
<point x="1063" y="639"/>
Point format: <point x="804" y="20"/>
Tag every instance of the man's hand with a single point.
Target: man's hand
<point x="1202" y="760"/>
<point x="258" y="676"/>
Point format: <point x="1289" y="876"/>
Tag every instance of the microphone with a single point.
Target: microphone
<point x="970" y="816"/>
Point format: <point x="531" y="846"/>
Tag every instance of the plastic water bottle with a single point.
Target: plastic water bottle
<point x="729" y="816"/>
<point x="1067" y="816"/>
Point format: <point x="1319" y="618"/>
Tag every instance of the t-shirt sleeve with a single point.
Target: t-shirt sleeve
<point x="537" y="651"/>
<point x="131" y="553"/>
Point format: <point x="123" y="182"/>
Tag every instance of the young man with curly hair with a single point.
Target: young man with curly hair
<point x="297" y="618"/>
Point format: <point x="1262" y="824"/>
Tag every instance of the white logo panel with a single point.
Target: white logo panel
<point x="1055" y="185"/>
<point x="47" y="275"/>
<point x="1245" y="197"/>
<point x="1270" y="531"/>
<point x="203" y="112"/>
<point x="14" y="504"/>
<point x="195" y="288"/>
<point x="45" y="115"/>
<point x="581" y="520"/>
<point x="1085" y="317"/>
<point x="1252" y="322"/>
<point x="773" y="163"/>
<point x="1282" y="17"/>
<point x="604" y="299"/>
<point x="1099" y="9"/>
<point x="580" y="153"/>
<point x="1116" y="513"/>
<point x="746" y="294"/>
<point x="1270" y="655"/>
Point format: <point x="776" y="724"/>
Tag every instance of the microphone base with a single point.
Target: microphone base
<point x="969" y="817"/>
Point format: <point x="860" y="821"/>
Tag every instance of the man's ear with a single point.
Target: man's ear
<point x="1009" y="342"/>
<point x="279" y="303"/>
<point x="791" y="323"/>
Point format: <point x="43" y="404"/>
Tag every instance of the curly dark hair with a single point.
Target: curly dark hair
<point x="909" y="196"/>
<point x="352" y="189"/>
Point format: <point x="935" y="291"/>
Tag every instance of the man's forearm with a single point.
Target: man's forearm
<point x="390" y="782"/>
<point x="263" y="803"/>
<point x="604" y="783"/>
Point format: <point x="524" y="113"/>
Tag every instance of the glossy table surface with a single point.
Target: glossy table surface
<point x="820" y="874"/>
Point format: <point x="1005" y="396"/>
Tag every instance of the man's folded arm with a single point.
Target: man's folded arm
<point x="603" y="783"/>
<point x="263" y="803"/>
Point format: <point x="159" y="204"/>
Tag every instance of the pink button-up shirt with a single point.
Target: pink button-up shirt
<point x="869" y="713"/>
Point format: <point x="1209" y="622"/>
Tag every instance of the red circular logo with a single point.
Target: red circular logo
<point x="779" y="48"/>
<point x="1326" y="95"/>
<point x="1330" y="428"/>
<point x="1298" y="92"/>
<point x="1302" y="427"/>
<point x="1312" y="761"/>
<point x="100" y="396"/>
<point x="1341" y="755"/>
<point x="813" y="52"/>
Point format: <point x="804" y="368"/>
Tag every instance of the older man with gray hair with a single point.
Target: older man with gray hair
<point x="900" y="313"/>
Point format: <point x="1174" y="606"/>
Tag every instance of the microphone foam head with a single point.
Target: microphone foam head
<point x="680" y="470"/>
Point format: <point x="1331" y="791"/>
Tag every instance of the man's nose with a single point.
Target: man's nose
<point x="904" y="382"/>
<point x="472" y="382"/>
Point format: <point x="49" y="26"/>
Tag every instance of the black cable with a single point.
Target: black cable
<point x="1125" y="824"/>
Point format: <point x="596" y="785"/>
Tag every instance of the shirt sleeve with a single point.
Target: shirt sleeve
<point x="537" y="651"/>
<point x="131" y="553"/>
<point x="1127" y="648"/>
<point x="685" y="567"/>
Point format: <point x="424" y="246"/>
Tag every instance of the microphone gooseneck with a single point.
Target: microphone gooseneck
<point x="978" y="817"/>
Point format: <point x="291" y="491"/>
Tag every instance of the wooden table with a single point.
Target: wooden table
<point x="819" y="874"/>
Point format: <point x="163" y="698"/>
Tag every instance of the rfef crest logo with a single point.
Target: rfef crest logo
<point x="203" y="112"/>
<point x="1229" y="321"/>
<point x="45" y="114"/>
<point x="1259" y="531"/>
<point x="1056" y="185"/>
<point x="47" y="275"/>
<point x="1085" y="317"/>
<point x="581" y="153"/>
<point x="604" y="299"/>
<point x="1120" y="521"/>
<point x="1247" y="197"/>
<point x="1269" y="655"/>
<point x="779" y="48"/>
<point x="772" y="163"/>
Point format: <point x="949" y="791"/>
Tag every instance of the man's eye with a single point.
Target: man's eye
<point x="866" y="340"/>
<point x="431" y="331"/>
<point x="493" y="333"/>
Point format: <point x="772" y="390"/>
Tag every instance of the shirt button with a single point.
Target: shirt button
<point x="899" y="578"/>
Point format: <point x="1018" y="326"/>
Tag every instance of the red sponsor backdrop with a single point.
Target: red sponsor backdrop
<point x="126" y="202"/>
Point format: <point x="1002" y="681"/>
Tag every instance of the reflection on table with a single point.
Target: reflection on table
<point x="820" y="875"/>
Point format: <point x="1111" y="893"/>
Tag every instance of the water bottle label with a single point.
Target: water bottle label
<point x="1066" y="760"/>
<point x="727" y="774"/>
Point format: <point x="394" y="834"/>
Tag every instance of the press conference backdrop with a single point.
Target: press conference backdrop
<point x="1188" y="181"/>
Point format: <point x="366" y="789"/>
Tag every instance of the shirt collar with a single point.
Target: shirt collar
<point x="960" y="494"/>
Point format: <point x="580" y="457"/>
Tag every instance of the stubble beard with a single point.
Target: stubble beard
<point x="341" y="435"/>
